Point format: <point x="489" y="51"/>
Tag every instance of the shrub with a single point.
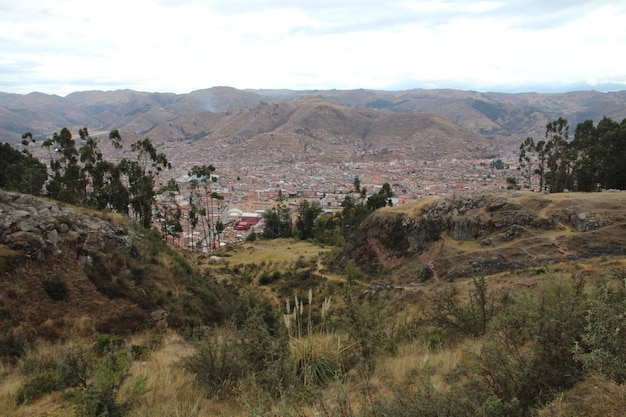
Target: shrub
<point x="603" y="345"/>
<point x="106" y="343"/>
<point x="37" y="387"/>
<point x="527" y="356"/>
<point x="267" y="278"/>
<point x="265" y="350"/>
<point x="352" y="271"/>
<point x="56" y="287"/>
<point x="469" y="318"/>
<point x="74" y="366"/>
<point x="99" y="396"/>
<point x="216" y="364"/>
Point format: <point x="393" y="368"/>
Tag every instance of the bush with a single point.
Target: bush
<point x="99" y="396"/>
<point x="470" y="318"/>
<point x="352" y="271"/>
<point x="527" y="356"/>
<point x="216" y="365"/>
<point x="37" y="387"/>
<point x="56" y="287"/>
<point x="267" y="278"/>
<point x="603" y="345"/>
<point x="107" y="343"/>
<point x="265" y="350"/>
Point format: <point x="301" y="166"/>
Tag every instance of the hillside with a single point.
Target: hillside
<point x="505" y="119"/>
<point x="324" y="131"/>
<point x="484" y="234"/>
<point x="439" y="307"/>
<point x="68" y="273"/>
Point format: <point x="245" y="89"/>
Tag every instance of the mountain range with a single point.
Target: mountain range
<point x="423" y="120"/>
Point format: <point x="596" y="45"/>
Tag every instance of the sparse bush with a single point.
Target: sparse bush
<point x="469" y="318"/>
<point x="265" y="351"/>
<point x="106" y="343"/>
<point x="527" y="357"/>
<point x="74" y="366"/>
<point x="216" y="365"/>
<point x="603" y="345"/>
<point x="361" y="319"/>
<point x="99" y="397"/>
<point x="352" y="271"/>
<point x="56" y="287"/>
<point x="37" y="387"/>
<point x="267" y="278"/>
<point x="11" y="346"/>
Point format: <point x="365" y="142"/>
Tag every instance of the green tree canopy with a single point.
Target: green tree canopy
<point x="20" y="171"/>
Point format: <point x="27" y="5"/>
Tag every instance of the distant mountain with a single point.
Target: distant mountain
<point x="319" y="129"/>
<point x="503" y="118"/>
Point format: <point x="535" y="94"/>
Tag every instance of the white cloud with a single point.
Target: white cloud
<point x="60" y="46"/>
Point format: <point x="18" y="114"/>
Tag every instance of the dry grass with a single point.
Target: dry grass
<point x="594" y="397"/>
<point x="172" y="390"/>
<point x="417" y="360"/>
<point x="278" y="250"/>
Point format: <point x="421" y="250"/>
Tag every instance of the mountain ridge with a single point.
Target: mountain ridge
<point x="506" y="118"/>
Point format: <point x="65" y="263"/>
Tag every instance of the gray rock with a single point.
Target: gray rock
<point x="497" y="204"/>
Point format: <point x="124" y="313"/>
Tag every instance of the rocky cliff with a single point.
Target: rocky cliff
<point x="68" y="272"/>
<point x="482" y="234"/>
<point x="41" y="229"/>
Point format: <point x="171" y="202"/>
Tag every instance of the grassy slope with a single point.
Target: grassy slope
<point x="173" y="392"/>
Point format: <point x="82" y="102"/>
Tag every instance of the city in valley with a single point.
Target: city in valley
<point x="253" y="183"/>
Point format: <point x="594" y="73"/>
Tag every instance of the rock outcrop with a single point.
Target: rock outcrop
<point x="38" y="227"/>
<point x="510" y="230"/>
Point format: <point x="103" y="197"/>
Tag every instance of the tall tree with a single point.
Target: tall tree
<point x="141" y="174"/>
<point x="169" y="213"/>
<point x="20" y="171"/>
<point x="204" y="175"/>
<point x="66" y="182"/>
<point x="591" y="161"/>
<point x="560" y="156"/>
<point x="308" y="214"/>
<point x="277" y="222"/>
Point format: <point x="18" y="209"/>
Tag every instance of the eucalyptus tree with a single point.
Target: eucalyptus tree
<point x="141" y="174"/>
<point x="591" y="161"/>
<point x="203" y="174"/>
<point x="65" y="182"/>
<point x="21" y="171"/>
<point x="169" y="212"/>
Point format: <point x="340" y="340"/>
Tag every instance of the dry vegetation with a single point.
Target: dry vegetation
<point x="356" y="349"/>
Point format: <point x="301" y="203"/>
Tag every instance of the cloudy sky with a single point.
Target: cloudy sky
<point x="61" y="46"/>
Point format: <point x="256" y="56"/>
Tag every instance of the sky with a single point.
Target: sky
<point x="178" y="46"/>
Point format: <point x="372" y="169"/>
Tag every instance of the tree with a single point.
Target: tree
<point x="357" y="185"/>
<point x="277" y="222"/>
<point x="560" y="156"/>
<point x="66" y="183"/>
<point x="591" y="161"/>
<point x="20" y="171"/>
<point x="141" y="176"/>
<point x="352" y="214"/>
<point x="308" y="214"/>
<point x="203" y="174"/>
<point x="553" y="157"/>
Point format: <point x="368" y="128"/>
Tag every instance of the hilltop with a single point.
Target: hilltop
<point x="481" y="234"/>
